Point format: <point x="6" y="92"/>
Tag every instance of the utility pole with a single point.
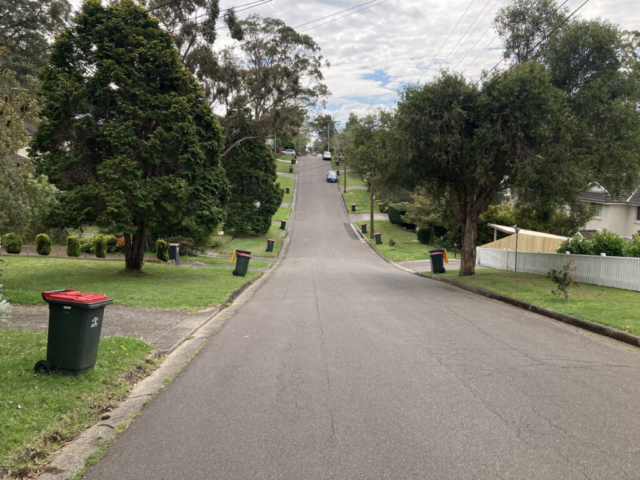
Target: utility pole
<point x="371" y="233"/>
<point x="345" y="177"/>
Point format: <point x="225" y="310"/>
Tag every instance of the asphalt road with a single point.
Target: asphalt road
<point x="344" y="367"/>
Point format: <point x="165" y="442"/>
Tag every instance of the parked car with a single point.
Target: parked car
<point x="320" y="155"/>
<point x="289" y="152"/>
<point x="332" y="177"/>
<point x="326" y="156"/>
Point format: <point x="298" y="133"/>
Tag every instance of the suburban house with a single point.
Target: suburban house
<point x="618" y="215"/>
<point x="527" y="240"/>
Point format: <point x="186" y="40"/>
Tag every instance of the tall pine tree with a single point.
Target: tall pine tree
<point x="128" y="136"/>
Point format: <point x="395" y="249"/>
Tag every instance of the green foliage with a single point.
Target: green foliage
<point x="610" y="243"/>
<point x="25" y="29"/>
<point x="425" y="235"/>
<point x="162" y="250"/>
<point x="112" y="242"/>
<point x="392" y="242"/>
<point x="632" y="248"/>
<point x="100" y="246"/>
<point x="12" y="243"/>
<point x="73" y="246"/>
<point x="255" y="197"/>
<point x="557" y="221"/>
<point x="128" y="117"/>
<point x="396" y="211"/>
<point x="187" y="245"/>
<point x="86" y="245"/>
<point x="423" y="210"/>
<point x="576" y="245"/>
<point x="43" y="244"/>
<point x="563" y="278"/>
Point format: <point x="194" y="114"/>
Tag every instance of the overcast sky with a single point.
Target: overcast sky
<point x="376" y="51"/>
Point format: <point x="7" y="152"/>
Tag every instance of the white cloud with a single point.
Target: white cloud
<point x="399" y="38"/>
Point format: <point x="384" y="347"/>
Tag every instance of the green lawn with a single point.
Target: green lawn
<point x="284" y="167"/>
<point x="405" y="249"/>
<point x="361" y="199"/>
<point x="40" y="412"/>
<point x="285" y="157"/>
<point x="283" y="213"/>
<point x="353" y="179"/>
<point x="222" y="261"/>
<point x="286" y="182"/>
<point x="256" y="244"/>
<point x="608" y="306"/>
<point x="160" y="286"/>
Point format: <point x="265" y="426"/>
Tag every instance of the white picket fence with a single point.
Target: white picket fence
<point x="617" y="272"/>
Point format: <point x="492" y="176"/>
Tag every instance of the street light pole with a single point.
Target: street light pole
<point x="517" y="229"/>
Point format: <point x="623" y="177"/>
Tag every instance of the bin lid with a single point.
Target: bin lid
<point x="243" y="255"/>
<point x="74" y="296"/>
<point x="270" y="240"/>
<point x="436" y="253"/>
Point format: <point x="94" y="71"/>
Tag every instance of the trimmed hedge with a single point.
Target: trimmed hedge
<point x="86" y="245"/>
<point x="395" y="211"/>
<point x="100" y="246"/>
<point x="12" y="243"/>
<point x="43" y="244"/>
<point x="73" y="247"/>
<point x="424" y="235"/>
<point x="162" y="250"/>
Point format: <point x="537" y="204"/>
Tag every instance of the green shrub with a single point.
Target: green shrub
<point x="608" y="242"/>
<point x="12" y="243"/>
<point x="186" y="244"/>
<point x="424" y="235"/>
<point x="576" y="245"/>
<point x="73" y="247"/>
<point x="563" y="278"/>
<point x="632" y="248"/>
<point x="112" y="242"/>
<point x="383" y="207"/>
<point x="162" y="250"/>
<point x="86" y="245"/>
<point x="100" y="246"/>
<point x="396" y="211"/>
<point x="43" y="244"/>
<point x="392" y="242"/>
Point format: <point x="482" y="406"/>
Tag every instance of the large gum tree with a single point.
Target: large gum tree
<point x="128" y="136"/>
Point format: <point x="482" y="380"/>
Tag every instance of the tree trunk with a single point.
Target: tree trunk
<point x="468" y="247"/>
<point x="134" y="246"/>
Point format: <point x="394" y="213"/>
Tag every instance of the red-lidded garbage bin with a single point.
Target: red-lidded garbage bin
<point x="75" y="325"/>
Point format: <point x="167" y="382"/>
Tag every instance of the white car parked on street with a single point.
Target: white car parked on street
<point x="326" y="156"/>
<point x="289" y="152"/>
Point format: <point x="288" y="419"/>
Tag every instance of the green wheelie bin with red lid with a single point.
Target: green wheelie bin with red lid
<point x="75" y="325"/>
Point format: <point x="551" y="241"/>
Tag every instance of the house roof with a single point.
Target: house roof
<point x="602" y="196"/>
<point x="532" y="233"/>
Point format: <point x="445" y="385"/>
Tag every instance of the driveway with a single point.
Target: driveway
<point x="345" y="367"/>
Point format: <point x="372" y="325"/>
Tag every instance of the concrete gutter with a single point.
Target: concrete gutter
<point x="72" y="457"/>
<point x="593" y="327"/>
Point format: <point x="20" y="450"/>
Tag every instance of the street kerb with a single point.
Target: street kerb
<point x="72" y="457"/>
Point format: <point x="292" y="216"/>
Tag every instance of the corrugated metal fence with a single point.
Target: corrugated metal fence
<point x="617" y="272"/>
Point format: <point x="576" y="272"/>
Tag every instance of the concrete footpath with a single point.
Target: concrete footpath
<point x="343" y="366"/>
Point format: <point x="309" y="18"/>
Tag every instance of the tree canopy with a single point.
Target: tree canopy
<point x="129" y="137"/>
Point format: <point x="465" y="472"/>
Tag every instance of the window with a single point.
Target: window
<point x="638" y="213"/>
<point x="598" y="208"/>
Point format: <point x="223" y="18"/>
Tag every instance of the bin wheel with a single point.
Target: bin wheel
<point x="43" y="366"/>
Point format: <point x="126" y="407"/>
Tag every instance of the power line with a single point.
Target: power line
<point x="465" y="33"/>
<point x="333" y="14"/>
<point x="445" y="42"/>
<point x="481" y="36"/>
<point x="347" y="15"/>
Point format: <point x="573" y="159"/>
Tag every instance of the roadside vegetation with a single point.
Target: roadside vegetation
<point x="612" y="307"/>
<point x="282" y="167"/>
<point x="39" y="413"/>
<point x="361" y="199"/>
<point x="256" y="244"/>
<point x="286" y="182"/>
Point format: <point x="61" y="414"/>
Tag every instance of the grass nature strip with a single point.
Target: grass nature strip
<point x="612" y="307"/>
<point x="406" y="248"/>
<point x="159" y="286"/>
<point x="39" y="413"/>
